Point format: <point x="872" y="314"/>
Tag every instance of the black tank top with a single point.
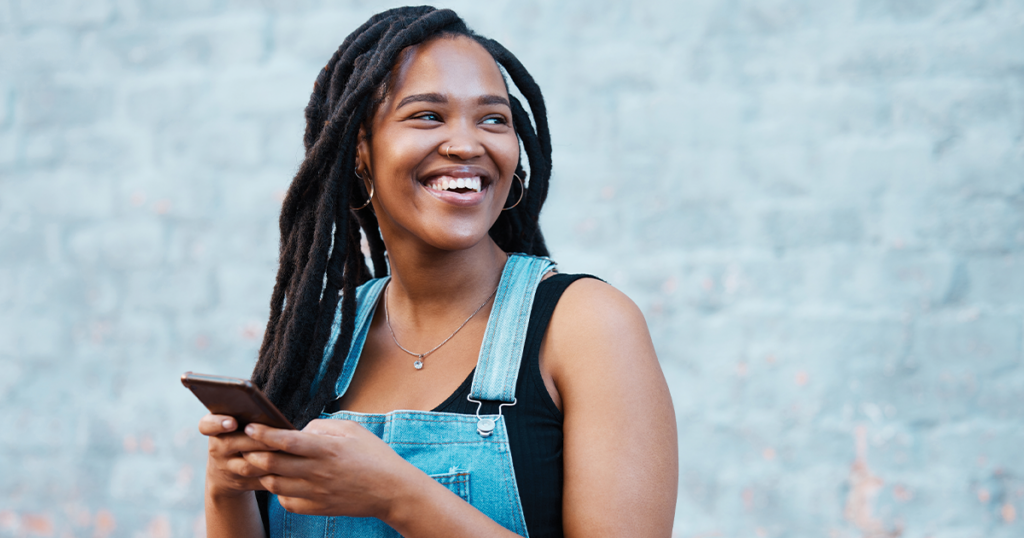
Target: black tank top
<point x="534" y="423"/>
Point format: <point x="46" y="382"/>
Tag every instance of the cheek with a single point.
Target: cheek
<point x="506" y="154"/>
<point x="399" y="154"/>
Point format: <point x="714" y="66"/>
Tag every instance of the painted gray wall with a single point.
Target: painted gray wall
<point x="818" y="206"/>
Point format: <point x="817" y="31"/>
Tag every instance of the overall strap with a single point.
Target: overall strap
<point x="497" y="368"/>
<point x="366" y="303"/>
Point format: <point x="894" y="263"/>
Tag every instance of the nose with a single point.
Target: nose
<point x="462" y="145"/>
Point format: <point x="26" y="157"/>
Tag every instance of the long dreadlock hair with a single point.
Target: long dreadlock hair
<point x="321" y="260"/>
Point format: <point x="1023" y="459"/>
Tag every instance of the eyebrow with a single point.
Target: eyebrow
<point x="422" y="98"/>
<point x="441" y="99"/>
<point x="493" y="100"/>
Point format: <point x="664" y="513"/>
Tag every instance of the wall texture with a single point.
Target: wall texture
<point x="818" y="205"/>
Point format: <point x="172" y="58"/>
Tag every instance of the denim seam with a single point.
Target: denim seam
<point x="500" y="355"/>
<point x="469" y="419"/>
<point x="366" y="297"/>
<point x="513" y="493"/>
<point x="522" y="323"/>
<point x="446" y="478"/>
<point x="446" y="443"/>
<point x="488" y="355"/>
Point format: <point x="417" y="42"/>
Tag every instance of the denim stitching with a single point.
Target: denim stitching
<point x="445" y="443"/>
<point x="499" y="350"/>
<point x="469" y="419"/>
<point x="510" y="494"/>
<point x="533" y="270"/>
<point x="517" y="504"/>
<point x="495" y="346"/>
<point x="500" y="301"/>
<point x="287" y="520"/>
<point x="366" y="298"/>
<point x="461" y="483"/>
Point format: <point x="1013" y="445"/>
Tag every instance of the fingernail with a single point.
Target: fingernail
<point x="226" y="424"/>
<point x="249" y="430"/>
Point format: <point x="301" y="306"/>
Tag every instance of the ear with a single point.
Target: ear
<point x="363" y="161"/>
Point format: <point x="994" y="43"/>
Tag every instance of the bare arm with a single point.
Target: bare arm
<point x="231" y="508"/>
<point x="232" y="516"/>
<point x="621" y="454"/>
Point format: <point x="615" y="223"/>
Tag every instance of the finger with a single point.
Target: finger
<point x="281" y="463"/>
<point x="232" y="443"/>
<point x="217" y="424"/>
<point x="290" y="441"/>
<point x="285" y="486"/>
<point x="241" y="467"/>
<point x="298" y="505"/>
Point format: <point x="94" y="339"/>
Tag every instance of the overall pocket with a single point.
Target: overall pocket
<point x="456" y="481"/>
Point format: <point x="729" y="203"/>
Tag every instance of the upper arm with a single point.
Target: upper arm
<point x="620" y="445"/>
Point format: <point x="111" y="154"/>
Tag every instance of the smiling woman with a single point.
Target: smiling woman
<point x="489" y="396"/>
<point x="448" y="120"/>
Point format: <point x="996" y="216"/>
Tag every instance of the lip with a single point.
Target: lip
<point x="454" y="198"/>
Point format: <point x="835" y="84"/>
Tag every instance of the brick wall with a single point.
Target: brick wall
<point x="818" y="205"/>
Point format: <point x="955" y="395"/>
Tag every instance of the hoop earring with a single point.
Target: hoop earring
<point x="368" y="200"/>
<point x="522" y="191"/>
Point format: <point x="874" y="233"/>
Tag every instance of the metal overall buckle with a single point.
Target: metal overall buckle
<point x="485" y="426"/>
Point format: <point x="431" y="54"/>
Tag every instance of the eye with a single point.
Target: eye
<point x="428" y="116"/>
<point x="495" y="120"/>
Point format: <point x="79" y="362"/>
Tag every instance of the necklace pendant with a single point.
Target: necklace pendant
<point x="418" y="364"/>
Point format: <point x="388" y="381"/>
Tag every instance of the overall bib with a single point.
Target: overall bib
<point x="468" y="454"/>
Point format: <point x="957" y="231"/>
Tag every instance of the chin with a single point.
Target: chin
<point x="452" y="238"/>
<point x="453" y="244"/>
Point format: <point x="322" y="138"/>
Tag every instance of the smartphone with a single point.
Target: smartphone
<point x="237" y="398"/>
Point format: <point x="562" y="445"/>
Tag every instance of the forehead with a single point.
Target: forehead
<point x="455" y="67"/>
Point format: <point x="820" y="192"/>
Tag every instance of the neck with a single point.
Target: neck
<point x="428" y="281"/>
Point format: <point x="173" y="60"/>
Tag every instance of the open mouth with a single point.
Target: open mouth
<point x="459" y="185"/>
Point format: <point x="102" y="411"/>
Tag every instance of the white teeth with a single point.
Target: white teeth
<point x="451" y="183"/>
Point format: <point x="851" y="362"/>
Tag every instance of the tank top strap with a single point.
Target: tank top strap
<point x="366" y="302"/>
<point x="497" y="367"/>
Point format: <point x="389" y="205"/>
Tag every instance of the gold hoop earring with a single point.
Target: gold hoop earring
<point x="448" y="151"/>
<point x="522" y="191"/>
<point x="368" y="200"/>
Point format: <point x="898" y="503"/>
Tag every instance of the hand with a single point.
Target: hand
<point x="227" y="473"/>
<point x="331" y="467"/>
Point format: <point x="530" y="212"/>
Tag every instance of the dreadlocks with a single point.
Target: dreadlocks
<point x="321" y="261"/>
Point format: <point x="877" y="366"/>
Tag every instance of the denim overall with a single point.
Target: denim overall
<point x="467" y="454"/>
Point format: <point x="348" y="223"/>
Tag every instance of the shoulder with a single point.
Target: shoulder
<point x="591" y="308"/>
<point x="596" y="330"/>
<point x="600" y="300"/>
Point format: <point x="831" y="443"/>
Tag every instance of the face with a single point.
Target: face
<point x="443" y="148"/>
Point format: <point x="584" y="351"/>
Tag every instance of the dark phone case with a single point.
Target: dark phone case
<point x="235" y="397"/>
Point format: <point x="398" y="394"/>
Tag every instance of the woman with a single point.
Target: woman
<point x="469" y="391"/>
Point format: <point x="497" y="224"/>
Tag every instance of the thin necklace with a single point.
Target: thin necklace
<point x="418" y="363"/>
